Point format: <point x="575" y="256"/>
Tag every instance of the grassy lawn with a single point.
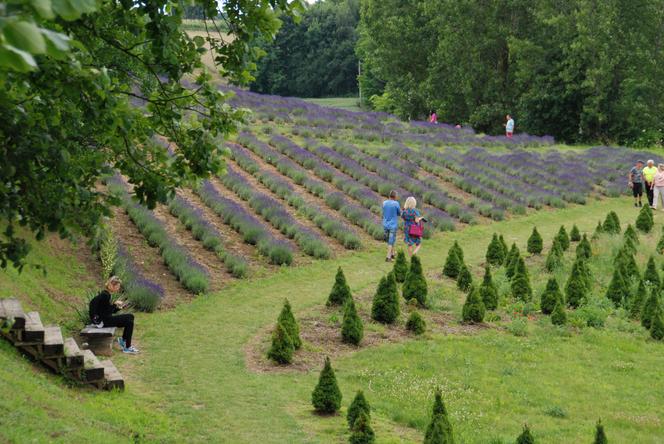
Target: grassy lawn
<point x="347" y="103"/>
<point x="191" y="382"/>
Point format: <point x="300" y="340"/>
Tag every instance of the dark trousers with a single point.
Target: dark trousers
<point x="649" y="192"/>
<point x="126" y="322"/>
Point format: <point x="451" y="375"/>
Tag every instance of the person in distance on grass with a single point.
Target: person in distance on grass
<point x="102" y="310"/>
<point x="433" y="118"/>
<point x="648" y="177"/>
<point x="391" y="213"/>
<point x="412" y="225"/>
<point x="658" y="186"/>
<point x="635" y="182"/>
<point x="509" y="126"/>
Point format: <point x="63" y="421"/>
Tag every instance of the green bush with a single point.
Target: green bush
<point x="415" y="285"/>
<point x="400" y="268"/>
<point x="563" y="238"/>
<point x="452" y="264"/>
<point x="645" y="221"/>
<point x="521" y="288"/>
<point x="361" y="432"/>
<point x="340" y="290"/>
<point x="555" y="257"/>
<point x="439" y="430"/>
<point x="630" y="233"/>
<point x="518" y="327"/>
<point x="558" y="316"/>
<point x="575" y="235"/>
<point x="473" y="309"/>
<point x="359" y="405"/>
<point x="636" y="306"/>
<point x="650" y="308"/>
<point x="288" y="321"/>
<point x="576" y="289"/>
<point x="611" y="224"/>
<point x="535" y="243"/>
<point x="512" y="261"/>
<point x="415" y="323"/>
<point x="618" y="291"/>
<point x="599" y="229"/>
<point x="651" y="275"/>
<point x="282" y="347"/>
<point x="465" y="279"/>
<point x="525" y="437"/>
<point x="584" y="250"/>
<point x="594" y="313"/>
<point x="600" y="436"/>
<point x="551" y="296"/>
<point x="458" y="250"/>
<point x="385" y="307"/>
<point x="326" y="397"/>
<point x="488" y="290"/>
<point x="495" y="255"/>
<point x="352" y="330"/>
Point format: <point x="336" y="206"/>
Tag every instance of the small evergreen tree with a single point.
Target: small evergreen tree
<point x="563" y="238"/>
<point x="459" y="251"/>
<point x="645" y="221"/>
<point x="340" y="290"/>
<point x="574" y="234"/>
<point x="636" y="306"/>
<point x="385" y="307"/>
<point x="290" y="324"/>
<point x="503" y="245"/>
<point x="352" y="330"/>
<point x="495" y="255"/>
<point x="630" y="233"/>
<point x="598" y="230"/>
<point x="611" y="224"/>
<point x="660" y="244"/>
<point x="535" y="243"/>
<point x="488" y="290"/>
<point x="359" y="405"/>
<point x="400" y="268"/>
<point x="361" y="432"/>
<point x="627" y="264"/>
<point x="650" y="307"/>
<point x="584" y="250"/>
<point x="555" y="257"/>
<point x="439" y="430"/>
<point x="651" y="275"/>
<point x="510" y="264"/>
<point x="629" y="246"/>
<point x="550" y="296"/>
<point x="326" y="397"/>
<point x="600" y="436"/>
<point x="525" y="437"/>
<point x="473" y="309"/>
<point x="558" y="316"/>
<point x="618" y="291"/>
<point x="452" y="264"/>
<point x="576" y="288"/>
<point x="657" y="326"/>
<point x="415" y="286"/>
<point x="282" y="347"/>
<point x="415" y="323"/>
<point x="465" y="279"/>
<point x="521" y="288"/>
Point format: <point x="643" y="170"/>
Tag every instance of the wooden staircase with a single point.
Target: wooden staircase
<point x="46" y="344"/>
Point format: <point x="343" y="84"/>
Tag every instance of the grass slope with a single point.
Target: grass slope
<point x="191" y="383"/>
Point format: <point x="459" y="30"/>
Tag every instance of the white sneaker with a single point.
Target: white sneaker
<point x="130" y="350"/>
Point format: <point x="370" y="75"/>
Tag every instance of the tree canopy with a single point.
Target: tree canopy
<point x="87" y="87"/>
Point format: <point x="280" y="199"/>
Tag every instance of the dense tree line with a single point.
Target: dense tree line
<point x="583" y="70"/>
<point x="314" y="57"/>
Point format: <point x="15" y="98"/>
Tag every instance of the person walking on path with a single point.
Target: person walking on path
<point x="102" y="314"/>
<point x="648" y="177"/>
<point x="412" y="225"/>
<point x="635" y="182"/>
<point x="509" y="126"/>
<point x="391" y="213"/>
<point x="658" y="186"/>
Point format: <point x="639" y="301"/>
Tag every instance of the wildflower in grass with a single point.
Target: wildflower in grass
<point x="520" y="286"/>
<point x="574" y="234"/>
<point x="535" y="243"/>
<point x="326" y="397"/>
<point x="400" y="268"/>
<point x="555" y="257"/>
<point x="452" y="264"/>
<point x="511" y="261"/>
<point x="415" y="323"/>
<point x="352" y="329"/>
<point x="584" y="250"/>
<point x="636" y="305"/>
<point x="359" y="405"/>
<point x="340" y="290"/>
<point x="465" y="279"/>
<point x="550" y="296"/>
<point x="598" y="230"/>
<point x="611" y="224"/>
<point x="473" y="309"/>
<point x="651" y="275"/>
<point x="525" y="437"/>
<point x="288" y="321"/>
<point x="495" y="255"/>
<point x="503" y="246"/>
<point x="558" y="315"/>
<point x="488" y="290"/>
<point x="563" y="238"/>
<point x="600" y="436"/>
<point x="645" y="221"/>
<point x="439" y="430"/>
<point x="385" y="307"/>
<point x="282" y="347"/>
<point x="630" y="233"/>
<point x="361" y="432"/>
<point x="415" y="285"/>
<point x="657" y="326"/>
<point x="650" y="308"/>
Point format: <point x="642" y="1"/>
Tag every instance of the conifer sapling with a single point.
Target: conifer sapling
<point x="361" y="432"/>
<point x="452" y="264"/>
<point x="535" y="243"/>
<point x="611" y="224"/>
<point x="584" y="250"/>
<point x="340" y="290"/>
<point x="555" y="257"/>
<point x="488" y="290"/>
<point x="290" y="324"/>
<point x="510" y="264"/>
<point x="558" y="316"/>
<point x="520" y="286"/>
<point x="576" y="288"/>
<point x="415" y="285"/>
<point x="503" y="245"/>
<point x="352" y="330"/>
<point x="415" y="323"/>
<point x="657" y="326"/>
<point x="636" y="305"/>
<point x="494" y="253"/>
<point x="598" y="230"/>
<point x="630" y="233"/>
<point x="645" y="221"/>
<point x="600" y="436"/>
<point x="459" y="251"/>
<point x="550" y="296"/>
<point x="525" y="437"/>
<point x="400" y="268"/>
<point x="473" y="309"/>
<point x="356" y="407"/>
<point x="574" y="234"/>
<point x="563" y="238"/>
<point x="439" y="430"/>
<point x="385" y="307"/>
<point x="618" y="291"/>
<point x="650" y="308"/>
<point x="465" y="279"/>
<point x="282" y="347"/>
<point x="651" y="275"/>
<point x="326" y="397"/>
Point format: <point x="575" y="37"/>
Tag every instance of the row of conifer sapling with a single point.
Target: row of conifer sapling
<point x="638" y="293"/>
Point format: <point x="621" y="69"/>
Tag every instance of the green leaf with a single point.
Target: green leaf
<point x="57" y="44"/>
<point x="73" y="9"/>
<point x="15" y="59"/>
<point x="84" y="6"/>
<point x="43" y="8"/>
<point x="25" y="36"/>
<point x="199" y="41"/>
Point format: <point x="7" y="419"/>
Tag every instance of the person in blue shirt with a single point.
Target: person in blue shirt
<point x="391" y="213"/>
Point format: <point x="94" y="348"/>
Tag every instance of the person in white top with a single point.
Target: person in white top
<point x="509" y="126"/>
<point x="658" y="186"/>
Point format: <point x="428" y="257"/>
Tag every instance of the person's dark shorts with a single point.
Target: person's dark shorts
<point x="637" y="189"/>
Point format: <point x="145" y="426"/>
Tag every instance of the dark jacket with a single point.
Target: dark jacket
<point x="101" y="307"/>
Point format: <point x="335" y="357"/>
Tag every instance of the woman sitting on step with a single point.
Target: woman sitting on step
<point x="101" y="314"/>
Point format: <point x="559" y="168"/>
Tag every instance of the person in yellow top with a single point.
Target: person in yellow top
<point x="648" y="177"/>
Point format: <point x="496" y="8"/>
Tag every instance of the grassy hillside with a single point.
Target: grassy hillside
<point x="198" y="380"/>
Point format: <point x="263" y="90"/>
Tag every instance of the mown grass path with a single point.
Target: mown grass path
<point x="190" y="384"/>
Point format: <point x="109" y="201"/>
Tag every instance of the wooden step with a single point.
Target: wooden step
<point x="93" y="370"/>
<point x="53" y="343"/>
<point x="11" y="309"/>
<point x="112" y="377"/>
<point x="73" y="354"/>
<point x="33" y="331"/>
